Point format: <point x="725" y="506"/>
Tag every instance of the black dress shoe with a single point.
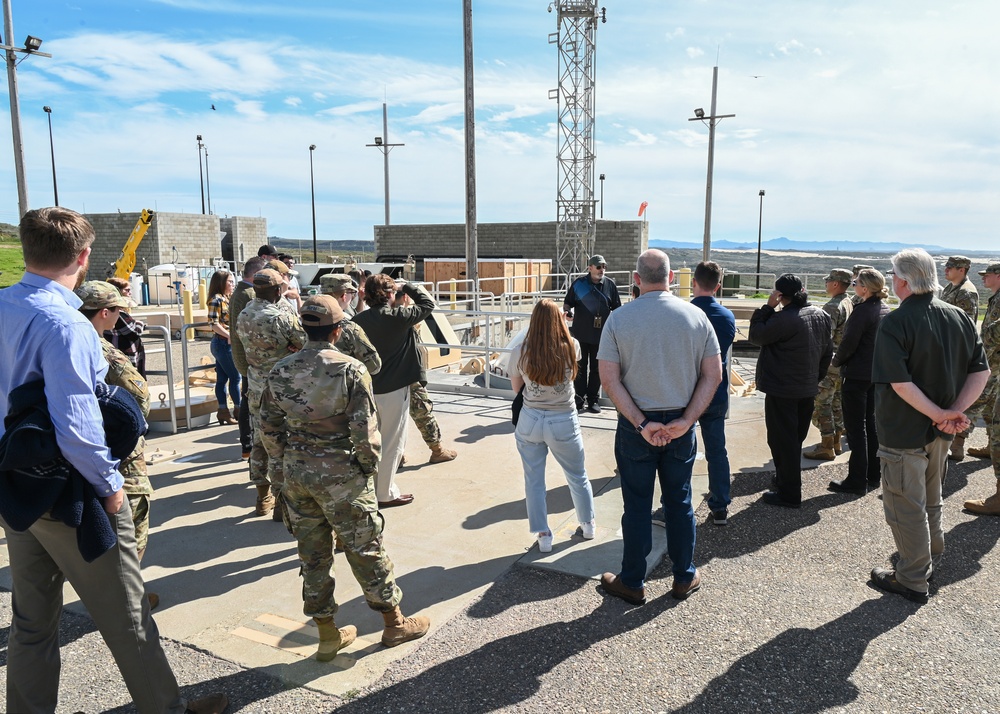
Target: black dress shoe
<point x="842" y="487"/>
<point x="773" y="498"/>
<point x="885" y="579"/>
<point x="594" y="408"/>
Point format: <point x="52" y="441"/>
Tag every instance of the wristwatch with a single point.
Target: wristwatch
<point x="642" y="426"/>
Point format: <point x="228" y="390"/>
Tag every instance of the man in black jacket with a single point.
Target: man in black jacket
<point x="795" y="351"/>
<point x="589" y="301"/>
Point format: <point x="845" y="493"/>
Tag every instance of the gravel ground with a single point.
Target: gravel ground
<point x="785" y="622"/>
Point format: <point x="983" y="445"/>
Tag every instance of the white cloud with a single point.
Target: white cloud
<point x="293" y="101"/>
<point x="641" y="139"/>
<point x="694" y="52"/>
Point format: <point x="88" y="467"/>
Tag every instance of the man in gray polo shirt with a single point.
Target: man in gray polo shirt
<point x="660" y="365"/>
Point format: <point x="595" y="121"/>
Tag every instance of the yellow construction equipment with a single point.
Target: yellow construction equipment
<point x="123" y="267"/>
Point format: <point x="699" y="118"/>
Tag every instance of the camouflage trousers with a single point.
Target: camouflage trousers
<point x="828" y="416"/>
<point x="321" y="507"/>
<point x="983" y="407"/>
<point x="989" y="406"/>
<point x="422" y="413"/>
<point x="261" y="473"/>
<point x="140" y="518"/>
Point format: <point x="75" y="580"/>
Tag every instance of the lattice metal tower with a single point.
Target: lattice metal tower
<point x="575" y="205"/>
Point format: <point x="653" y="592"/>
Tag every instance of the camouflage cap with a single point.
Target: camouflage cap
<point x="858" y="268"/>
<point x="598" y="261"/>
<point x="993" y="268"/>
<point x="321" y="311"/>
<point x="280" y="267"/>
<point x="841" y="276"/>
<point x="958" y="261"/>
<point x="267" y="278"/>
<point x="97" y="294"/>
<point x="336" y="284"/>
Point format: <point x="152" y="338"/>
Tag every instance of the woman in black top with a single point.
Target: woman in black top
<point x="854" y="357"/>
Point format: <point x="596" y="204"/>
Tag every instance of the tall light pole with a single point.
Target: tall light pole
<point x="201" y="176"/>
<point x="31" y="45"/>
<point x="602" y="195"/>
<point x="760" y="224"/>
<point x="713" y="119"/>
<point x="208" y="181"/>
<point x="52" y="148"/>
<point x="471" y="221"/>
<point x="383" y="145"/>
<point x="312" y="191"/>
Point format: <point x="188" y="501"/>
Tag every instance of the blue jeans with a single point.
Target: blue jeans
<point x="713" y="437"/>
<point x="226" y="372"/>
<point x="539" y="431"/>
<point x="639" y="464"/>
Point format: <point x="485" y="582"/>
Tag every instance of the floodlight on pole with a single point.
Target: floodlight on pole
<point x="312" y="192"/>
<point x="710" y="121"/>
<point x="201" y="176"/>
<point x="52" y="149"/>
<point x="383" y="145"/>
<point x="760" y="224"/>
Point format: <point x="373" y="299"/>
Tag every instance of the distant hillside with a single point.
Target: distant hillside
<point x="8" y="233"/>
<point x="335" y="246"/>
<point x="830" y="246"/>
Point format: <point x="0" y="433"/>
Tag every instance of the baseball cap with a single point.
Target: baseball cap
<point x="98" y="294"/>
<point x="841" y="276"/>
<point x="321" y="311"/>
<point x="336" y="283"/>
<point x="958" y="261"/>
<point x="280" y="267"/>
<point x="991" y="268"/>
<point x="267" y="250"/>
<point x="267" y="278"/>
<point x="598" y="261"/>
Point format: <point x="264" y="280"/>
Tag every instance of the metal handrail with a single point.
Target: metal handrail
<point x="169" y="372"/>
<point x="186" y="368"/>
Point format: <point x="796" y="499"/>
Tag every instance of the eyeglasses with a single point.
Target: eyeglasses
<point x="853" y="283"/>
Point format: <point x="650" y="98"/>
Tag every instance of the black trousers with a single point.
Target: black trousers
<point x="858" y="400"/>
<point x="244" y="420"/>
<point x="787" y="422"/>
<point x="588" y="377"/>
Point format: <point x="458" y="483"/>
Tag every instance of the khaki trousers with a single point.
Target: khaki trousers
<point x="911" y="498"/>
<point x="393" y="409"/>
<point x="112" y="590"/>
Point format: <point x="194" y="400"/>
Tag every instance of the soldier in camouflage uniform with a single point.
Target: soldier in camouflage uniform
<point x="353" y="341"/>
<point x="270" y="331"/>
<point x="828" y="414"/>
<point x="319" y="424"/>
<point x="960" y="292"/>
<point x="240" y="298"/>
<point x="990" y="332"/>
<point x="101" y="305"/>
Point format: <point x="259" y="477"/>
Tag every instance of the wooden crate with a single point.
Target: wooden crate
<point x="496" y="275"/>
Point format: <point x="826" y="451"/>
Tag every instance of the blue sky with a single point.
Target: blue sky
<point x="865" y="121"/>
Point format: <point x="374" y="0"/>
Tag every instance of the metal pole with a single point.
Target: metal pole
<point x="602" y="195"/>
<point x="385" y="158"/>
<point x="201" y="177"/>
<point x="707" y="246"/>
<point x="208" y="183"/>
<point x="760" y="224"/>
<point x="15" y="112"/>
<point x="471" y="227"/>
<point x="312" y="190"/>
<point x="52" y="148"/>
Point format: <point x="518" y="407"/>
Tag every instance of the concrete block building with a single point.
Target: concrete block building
<point x="620" y="242"/>
<point x="190" y="238"/>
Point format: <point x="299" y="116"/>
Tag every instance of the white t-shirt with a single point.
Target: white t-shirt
<point x="558" y="397"/>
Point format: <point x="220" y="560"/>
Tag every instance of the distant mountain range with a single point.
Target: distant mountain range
<point x="826" y="246"/>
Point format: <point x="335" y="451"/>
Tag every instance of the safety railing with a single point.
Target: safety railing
<point x="168" y="373"/>
<point x="186" y="368"/>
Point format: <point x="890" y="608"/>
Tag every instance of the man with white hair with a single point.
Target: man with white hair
<point x="660" y="365"/>
<point x="929" y="366"/>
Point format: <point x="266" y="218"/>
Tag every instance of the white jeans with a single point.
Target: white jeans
<point x="538" y="431"/>
<point x="393" y="408"/>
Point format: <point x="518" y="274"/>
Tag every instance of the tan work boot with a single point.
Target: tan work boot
<point x="838" y="442"/>
<point x="399" y="629"/>
<point x="980" y="452"/>
<point x="988" y="506"/>
<point x="265" y="501"/>
<point x="331" y="639"/>
<point x="957" y="449"/>
<point x="823" y="451"/>
<point x="439" y="454"/>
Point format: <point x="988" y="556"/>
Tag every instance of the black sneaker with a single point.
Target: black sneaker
<point x="594" y="408"/>
<point x="720" y="517"/>
<point x="658" y="518"/>
<point x="885" y="579"/>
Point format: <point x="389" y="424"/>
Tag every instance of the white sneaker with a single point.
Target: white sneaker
<point x="588" y="529"/>
<point x="544" y="542"/>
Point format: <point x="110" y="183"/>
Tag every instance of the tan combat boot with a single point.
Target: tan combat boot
<point x="439" y="454"/>
<point x="399" y="629"/>
<point x="823" y="451"/>
<point x="987" y="506"/>
<point x="982" y="452"/>
<point x="838" y="442"/>
<point x="332" y="639"/>
<point x="957" y="449"/>
<point x="265" y="501"/>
